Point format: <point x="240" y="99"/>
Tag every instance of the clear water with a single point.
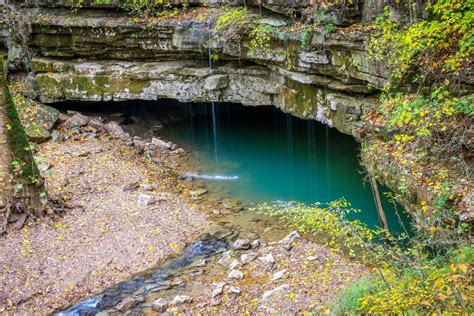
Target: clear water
<point x="259" y="154"/>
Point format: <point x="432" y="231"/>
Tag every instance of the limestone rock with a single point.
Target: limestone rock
<point x="37" y="119"/>
<point x="115" y="130"/>
<point x="160" y="305"/>
<point x="181" y="299"/>
<point x="235" y="274"/>
<point x="216" y="82"/>
<point x="248" y="257"/>
<point x="274" y="291"/>
<point x="267" y="260"/>
<point x="161" y="144"/>
<point x="235" y="264"/>
<point x="126" y="304"/>
<point x="218" y="289"/>
<point x="287" y="242"/>
<point x="241" y="244"/>
<point x="278" y="275"/>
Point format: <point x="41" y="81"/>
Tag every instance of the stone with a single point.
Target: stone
<point x="130" y="187"/>
<point x="229" y="203"/>
<point x="147" y="199"/>
<point x="275" y="22"/>
<point x="218" y="289"/>
<point x="216" y="212"/>
<point x="234" y="290"/>
<point x="235" y="274"/>
<point x="181" y="299"/>
<point x="178" y="151"/>
<point x="37" y="119"/>
<point x="199" y="263"/>
<point x="56" y="136"/>
<point x="115" y="130"/>
<point x="225" y="259"/>
<point x="126" y="304"/>
<point x="311" y="258"/>
<point x="217" y="300"/>
<point x="195" y="272"/>
<point x="248" y="257"/>
<point x="278" y="275"/>
<point x="84" y="153"/>
<point x="216" y="82"/>
<point x="160" y="305"/>
<point x="198" y="193"/>
<point x="287" y="242"/>
<point x="267" y="260"/>
<point x="234" y="264"/>
<point x="77" y="120"/>
<point x="241" y="244"/>
<point x="274" y="291"/>
<point x="147" y="187"/>
<point x="255" y="244"/>
<point x="161" y="144"/>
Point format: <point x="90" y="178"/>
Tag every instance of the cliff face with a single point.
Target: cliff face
<point x="98" y="53"/>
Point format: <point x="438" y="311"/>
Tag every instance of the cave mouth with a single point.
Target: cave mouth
<point x="255" y="154"/>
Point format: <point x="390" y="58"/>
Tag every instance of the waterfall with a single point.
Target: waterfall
<point x="214" y="130"/>
<point x="326" y="127"/>
<point x="290" y="149"/>
<point x="214" y="112"/>
<point x="311" y="149"/>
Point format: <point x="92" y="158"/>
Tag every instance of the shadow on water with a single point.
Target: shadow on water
<point x="150" y="282"/>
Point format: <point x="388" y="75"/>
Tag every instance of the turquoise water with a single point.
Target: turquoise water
<point x="260" y="154"/>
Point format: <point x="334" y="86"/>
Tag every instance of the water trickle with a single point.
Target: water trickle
<point x="214" y="130"/>
<point x="214" y="114"/>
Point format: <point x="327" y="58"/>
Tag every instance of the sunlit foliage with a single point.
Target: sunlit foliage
<point x="408" y="278"/>
<point x="437" y="48"/>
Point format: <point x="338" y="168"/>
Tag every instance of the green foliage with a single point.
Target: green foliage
<point x="328" y="28"/>
<point x="409" y="279"/>
<point x="348" y="301"/>
<point x="305" y="38"/>
<point x="440" y="124"/>
<point x="23" y="164"/>
<point x="234" y="17"/>
<point x="438" y="48"/>
<point x="260" y="37"/>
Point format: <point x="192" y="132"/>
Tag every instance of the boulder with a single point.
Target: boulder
<point x="160" y="305"/>
<point x="235" y="274"/>
<point x="161" y="144"/>
<point x="267" y="260"/>
<point x="37" y="119"/>
<point x="181" y="299"/>
<point x="241" y="244"/>
<point x="287" y="242"/>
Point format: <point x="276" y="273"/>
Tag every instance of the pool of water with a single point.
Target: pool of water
<point x="259" y="154"/>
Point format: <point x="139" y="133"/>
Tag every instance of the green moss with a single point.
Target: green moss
<point x="52" y="40"/>
<point x="18" y="143"/>
<point x="138" y="86"/>
<point x="301" y="98"/>
<point x="48" y="86"/>
<point x="41" y="66"/>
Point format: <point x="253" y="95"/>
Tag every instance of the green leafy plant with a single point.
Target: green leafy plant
<point x="438" y="48"/>
<point x="408" y="278"/>
<point x="260" y="37"/>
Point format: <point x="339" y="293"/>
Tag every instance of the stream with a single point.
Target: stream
<point x="251" y="154"/>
